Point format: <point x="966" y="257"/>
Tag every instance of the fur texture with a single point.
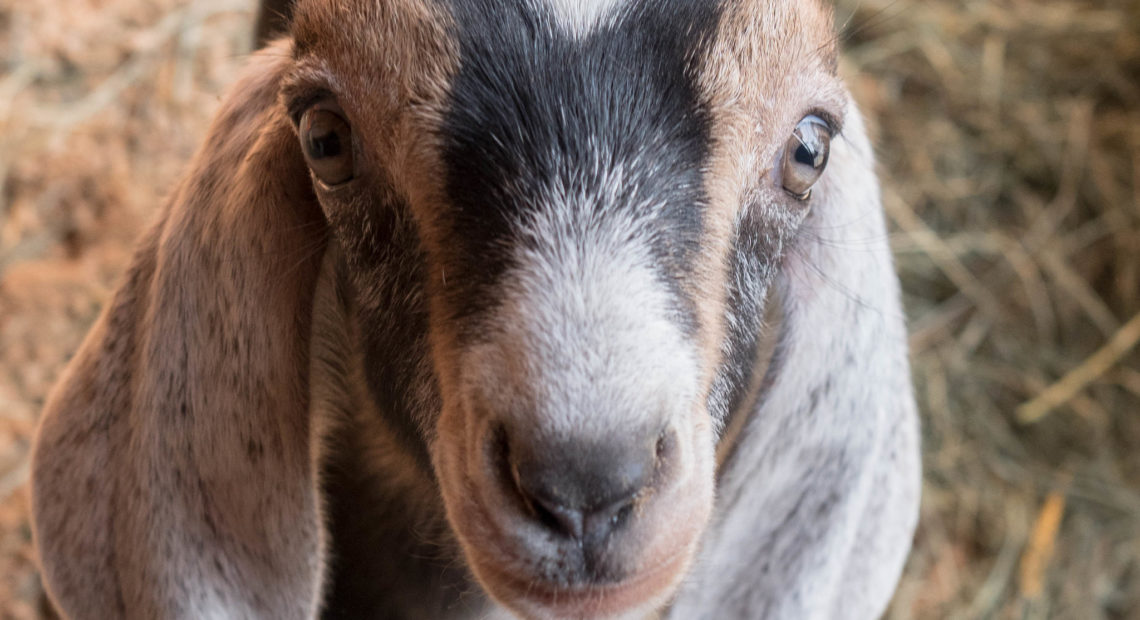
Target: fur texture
<point x="565" y="228"/>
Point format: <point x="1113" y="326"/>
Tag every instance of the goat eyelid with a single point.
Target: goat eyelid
<point x="834" y="121"/>
<point x="299" y="102"/>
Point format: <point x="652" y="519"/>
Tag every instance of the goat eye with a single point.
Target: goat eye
<point x="326" y="140"/>
<point x="805" y="156"/>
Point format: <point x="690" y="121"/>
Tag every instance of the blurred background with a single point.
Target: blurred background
<point x="1008" y="136"/>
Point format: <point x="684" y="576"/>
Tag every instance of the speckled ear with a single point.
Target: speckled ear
<point x="171" y="475"/>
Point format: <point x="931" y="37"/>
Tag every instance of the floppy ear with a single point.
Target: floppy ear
<point x="818" y="498"/>
<point x="172" y="474"/>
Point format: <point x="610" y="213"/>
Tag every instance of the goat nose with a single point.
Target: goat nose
<point x="583" y="490"/>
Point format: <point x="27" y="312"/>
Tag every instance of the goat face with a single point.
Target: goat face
<point x="590" y="201"/>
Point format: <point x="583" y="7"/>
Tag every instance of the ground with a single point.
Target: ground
<point x="1009" y="138"/>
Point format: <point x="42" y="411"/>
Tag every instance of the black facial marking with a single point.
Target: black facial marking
<point x="382" y="273"/>
<point x="753" y="263"/>
<point x="537" y="112"/>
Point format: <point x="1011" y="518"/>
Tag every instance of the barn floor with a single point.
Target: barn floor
<point x="1009" y="136"/>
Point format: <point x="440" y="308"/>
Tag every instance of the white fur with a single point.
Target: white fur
<point x="579" y="17"/>
<point x="586" y="315"/>
<point x="817" y="506"/>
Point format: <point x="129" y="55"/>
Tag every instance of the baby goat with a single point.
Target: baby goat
<point x="470" y="308"/>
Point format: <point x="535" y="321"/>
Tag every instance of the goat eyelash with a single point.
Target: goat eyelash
<point x="302" y="100"/>
<point x="834" y="122"/>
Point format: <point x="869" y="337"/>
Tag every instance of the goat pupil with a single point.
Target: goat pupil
<point x="322" y="146"/>
<point x="805" y="156"/>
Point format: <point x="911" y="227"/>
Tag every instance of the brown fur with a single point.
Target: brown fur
<point x="192" y="425"/>
<point x="394" y="96"/>
<point x="174" y="451"/>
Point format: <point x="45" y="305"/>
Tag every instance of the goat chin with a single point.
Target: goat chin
<point x="461" y="310"/>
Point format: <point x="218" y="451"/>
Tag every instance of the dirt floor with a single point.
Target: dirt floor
<point x="1009" y="137"/>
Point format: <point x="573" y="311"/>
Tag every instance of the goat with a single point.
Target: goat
<point x="474" y="308"/>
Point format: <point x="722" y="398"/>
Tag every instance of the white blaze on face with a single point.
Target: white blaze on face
<point x="578" y="17"/>
<point x="584" y="340"/>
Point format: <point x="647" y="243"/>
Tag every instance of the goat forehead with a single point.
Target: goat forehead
<point x="574" y="131"/>
<point x="531" y="98"/>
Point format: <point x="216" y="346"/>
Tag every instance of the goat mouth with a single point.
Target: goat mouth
<point x="508" y="576"/>
<point x="534" y="597"/>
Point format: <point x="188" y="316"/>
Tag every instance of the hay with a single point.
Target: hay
<point x="101" y="105"/>
<point x="1009" y="137"/>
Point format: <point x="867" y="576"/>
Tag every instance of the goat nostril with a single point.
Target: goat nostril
<point x="506" y="467"/>
<point x="549" y="514"/>
<point x="533" y="508"/>
<point x="622" y="515"/>
<point x="666" y="446"/>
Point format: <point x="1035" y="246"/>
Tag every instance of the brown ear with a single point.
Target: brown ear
<point x="171" y="475"/>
